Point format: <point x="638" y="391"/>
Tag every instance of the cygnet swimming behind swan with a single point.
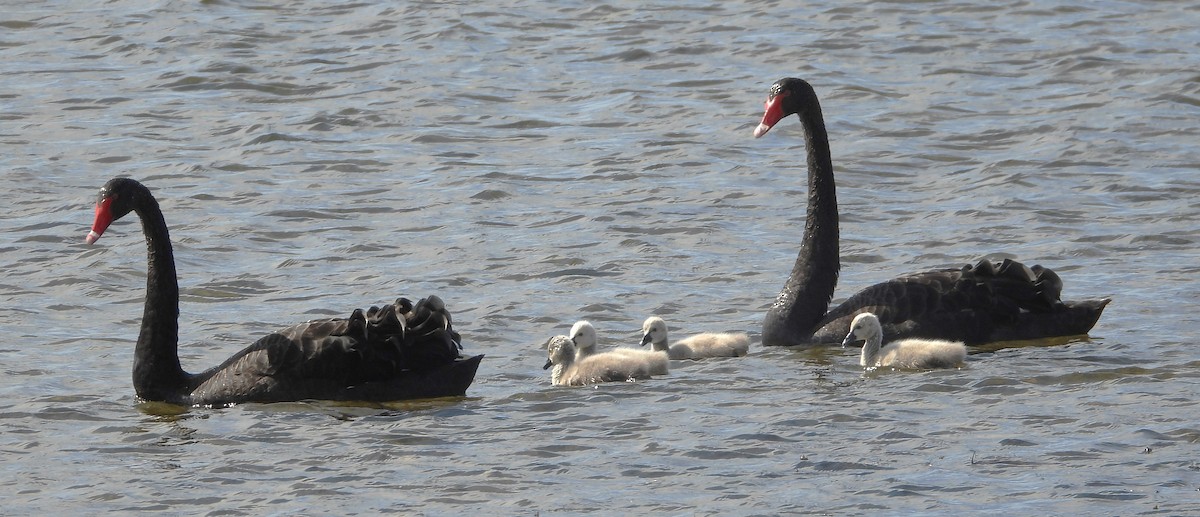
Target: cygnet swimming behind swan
<point x="922" y="354"/>
<point x="583" y="334"/>
<point x="560" y="352"/>
<point x="699" y="346"/>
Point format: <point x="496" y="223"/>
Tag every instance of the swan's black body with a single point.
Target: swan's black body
<point x="976" y="304"/>
<point x="395" y="352"/>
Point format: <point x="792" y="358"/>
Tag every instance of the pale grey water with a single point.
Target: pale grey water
<point x="537" y="163"/>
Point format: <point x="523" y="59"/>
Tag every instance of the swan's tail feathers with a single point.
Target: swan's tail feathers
<point x="1046" y="292"/>
<point x="1075" y="319"/>
<point x="1087" y="312"/>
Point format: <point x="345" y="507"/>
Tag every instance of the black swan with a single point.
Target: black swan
<point x="975" y="304"/>
<point x="395" y="352"/>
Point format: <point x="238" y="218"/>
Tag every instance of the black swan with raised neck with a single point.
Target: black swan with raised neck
<point x="394" y="352"/>
<point x="976" y="304"/>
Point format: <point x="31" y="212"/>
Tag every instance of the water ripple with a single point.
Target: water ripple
<point x="535" y="164"/>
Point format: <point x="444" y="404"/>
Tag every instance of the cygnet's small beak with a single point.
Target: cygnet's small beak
<point x="645" y="339"/>
<point x="549" y="363"/>
<point x="849" y="339"/>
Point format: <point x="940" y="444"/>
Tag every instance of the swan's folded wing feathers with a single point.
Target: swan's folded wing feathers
<point x="416" y="337"/>
<point x="367" y="346"/>
<point x="900" y="299"/>
<point x="316" y="349"/>
<point x="429" y="315"/>
<point x="911" y="304"/>
<point x="430" y="341"/>
<point x="273" y="354"/>
<point x="260" y="368"/>
<point x="1016" y="287"/>
<point x="1050" y="286"/>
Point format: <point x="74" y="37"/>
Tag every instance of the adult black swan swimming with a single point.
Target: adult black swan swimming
<point x="975" y="304"/>
<point x="395" y="352"/>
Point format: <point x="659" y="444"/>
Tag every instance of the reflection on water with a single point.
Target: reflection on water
<point x="1045" y="342"/>
<point x="539" y="164"/>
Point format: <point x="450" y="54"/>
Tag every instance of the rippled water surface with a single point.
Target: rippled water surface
<point x="535" y="163"/>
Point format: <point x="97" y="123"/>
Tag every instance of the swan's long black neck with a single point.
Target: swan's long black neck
<point x="805" y="298"/>
<point x="157" y="374"/>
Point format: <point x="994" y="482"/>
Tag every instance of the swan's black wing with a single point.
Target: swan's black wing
<point x="347" y="358"/>
<point x="975" y="304"/>
<point x="371" y="346"/>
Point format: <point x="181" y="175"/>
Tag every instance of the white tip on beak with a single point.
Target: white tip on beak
<point x="91" y="237"/>
<point x="761" y="130"/>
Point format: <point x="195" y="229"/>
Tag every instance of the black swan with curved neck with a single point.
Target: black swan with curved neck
<point x="395" y="352"/>
<point x="975" y="304"/>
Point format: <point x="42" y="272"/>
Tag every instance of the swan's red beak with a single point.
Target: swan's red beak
<point x="772" y="114"/>
<point x="103" y="218"/>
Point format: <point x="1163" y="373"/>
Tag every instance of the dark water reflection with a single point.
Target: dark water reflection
<point x="535" y="164"/>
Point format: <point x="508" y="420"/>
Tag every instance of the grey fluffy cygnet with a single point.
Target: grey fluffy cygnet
<point x="919" y="354"/>
<point x="583" y="334"/>
<point x="699" y="346"/>
<point x="560" y="352"/>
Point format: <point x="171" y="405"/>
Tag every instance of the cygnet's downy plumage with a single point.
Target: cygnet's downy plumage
<point x="560" y="351"/>
<point x="583" y="334"/>
<point x="920" y="354"/>
<point x="699" y="346"/>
